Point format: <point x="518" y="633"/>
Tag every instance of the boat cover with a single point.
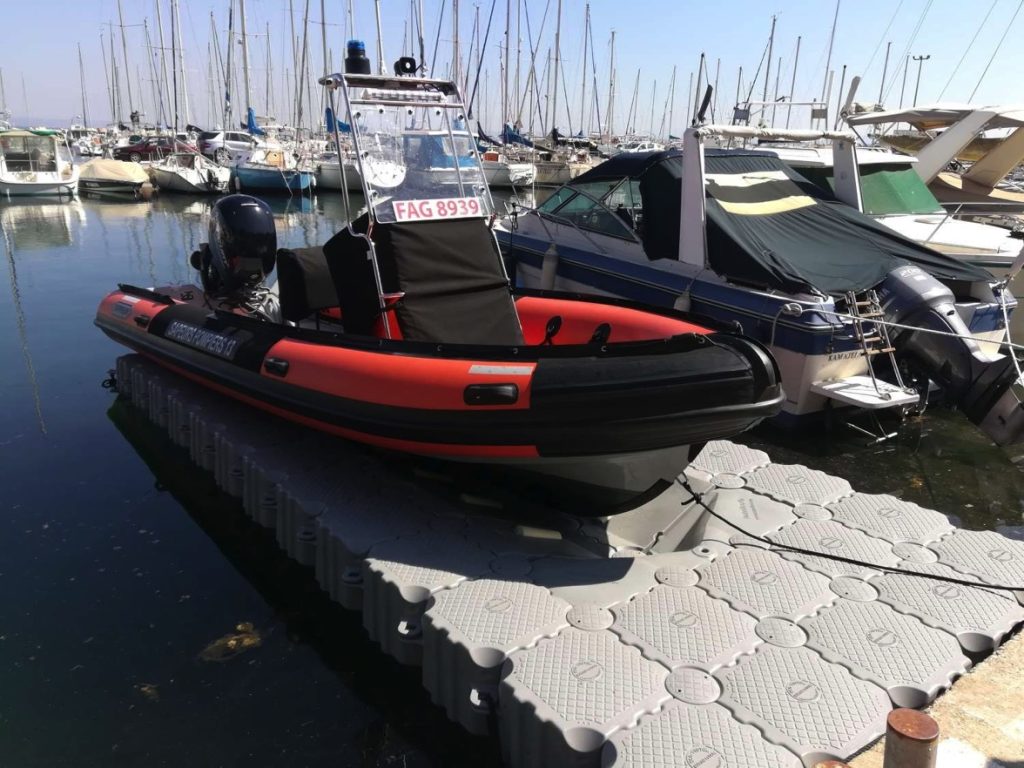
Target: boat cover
<point x="113" y="170"/>
<point x="768" y="226"/>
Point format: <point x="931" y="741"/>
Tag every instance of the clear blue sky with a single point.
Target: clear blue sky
<point x="40" y="39"/>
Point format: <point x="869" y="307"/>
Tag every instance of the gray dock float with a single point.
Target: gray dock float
<point x="658" y="637"/>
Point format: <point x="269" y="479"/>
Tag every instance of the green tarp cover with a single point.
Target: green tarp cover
<point x="767" y="226"/>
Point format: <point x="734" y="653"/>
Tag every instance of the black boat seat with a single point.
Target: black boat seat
<point x="304" y="282"/>
<point x="449" y="272"/>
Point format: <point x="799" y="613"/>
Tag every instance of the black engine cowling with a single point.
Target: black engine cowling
<point x="242" y="245"/>
<point x="978" y="383"/>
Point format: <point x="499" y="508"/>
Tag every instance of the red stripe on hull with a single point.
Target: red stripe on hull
<point x="444" y="450"/>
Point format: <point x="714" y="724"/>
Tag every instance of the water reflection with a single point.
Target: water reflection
<point x="6" y="229"/>
<point x="415" y="733"/>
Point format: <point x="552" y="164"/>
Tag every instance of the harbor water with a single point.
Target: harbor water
<point x="146" y="621"/>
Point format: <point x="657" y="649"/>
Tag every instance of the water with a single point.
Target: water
<point x="122" y="570"/>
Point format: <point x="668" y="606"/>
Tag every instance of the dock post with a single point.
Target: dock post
<point x="911" y="740"/>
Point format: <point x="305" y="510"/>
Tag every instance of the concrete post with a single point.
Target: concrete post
<point x="911" y="740"/>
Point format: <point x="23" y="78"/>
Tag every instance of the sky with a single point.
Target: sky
<point x="39" y="54"/>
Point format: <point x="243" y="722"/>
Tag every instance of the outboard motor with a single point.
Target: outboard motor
<point x="979" y="384"/>
<point x="239" y="256"/>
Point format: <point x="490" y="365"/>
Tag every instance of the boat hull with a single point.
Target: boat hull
<point x="272" y="179"/>
<point x="328" y="176"/>
<point x="177" y="182"/>
<point x="10" y="188"/>
<point x="418" y="398"/>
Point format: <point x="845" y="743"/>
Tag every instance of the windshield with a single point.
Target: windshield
<point x="417" y="158"/>
<point x="885" y="188"/>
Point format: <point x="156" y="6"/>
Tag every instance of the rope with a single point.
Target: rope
<point x="910" y="43"/>
<point x="772" y="545"/>
<point x="969" y="46"/>
<point x="996" y="51"/>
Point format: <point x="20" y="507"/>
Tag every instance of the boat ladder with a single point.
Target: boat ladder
<point x="870" y="393"/>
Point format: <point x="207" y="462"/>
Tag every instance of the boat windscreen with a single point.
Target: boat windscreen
<point x="417" y="161"/>
<point x="886" y="189"/>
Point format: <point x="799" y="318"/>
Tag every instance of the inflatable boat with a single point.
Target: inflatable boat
<point x="406" y="335"/>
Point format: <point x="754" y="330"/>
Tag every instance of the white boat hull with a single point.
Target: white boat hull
<point x="504" y="175"/>
<point x="328" y="176"/>
<point x="191" y="182"/>
<point x="16" y="188"/>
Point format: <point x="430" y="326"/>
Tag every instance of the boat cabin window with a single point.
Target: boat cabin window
<point x="590" y="214"/>
<point x="34" y="154"/>
<point x="886" y="188"/>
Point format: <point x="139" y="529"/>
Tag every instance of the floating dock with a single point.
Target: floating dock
<point x="661" y="636"/>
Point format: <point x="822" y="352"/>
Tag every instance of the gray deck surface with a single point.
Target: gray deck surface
<point x="654" y="638"/>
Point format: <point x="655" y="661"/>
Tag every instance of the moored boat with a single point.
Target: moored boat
<point x="402" y="332"/>
<point x="272" y="170"/>
<point x="858" y="317"/>
<point x="32" y="163"/>
<point x="190" y="173"/>
<point x="115" y="178"/>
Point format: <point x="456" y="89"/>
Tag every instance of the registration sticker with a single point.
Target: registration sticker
<point x="438" y="208"/>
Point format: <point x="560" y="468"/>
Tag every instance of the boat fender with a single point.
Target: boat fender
<point x="549" y="267"/>
<point x="601" y="334"/>
<point x="551" y="329"/>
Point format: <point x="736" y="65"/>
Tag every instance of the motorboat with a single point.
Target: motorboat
<point x="402" y="331"/>
<point x="190" y="173"/>
<point x="115" y="178"/>
<point x="35" y="162"/>
<point x="986" y="143"/>
<point x="894" y="194"/>
<point x="272" y="170"/>
<point x="860" y="319"/>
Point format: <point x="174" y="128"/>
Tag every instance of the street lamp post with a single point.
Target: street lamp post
<point x="920" y="63"/>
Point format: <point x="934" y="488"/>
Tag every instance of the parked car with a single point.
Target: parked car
<point x="152" y="148"/>
<point x="226" y="147"/>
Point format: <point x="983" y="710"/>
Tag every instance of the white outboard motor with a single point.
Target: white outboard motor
<point x="979" y="384"/>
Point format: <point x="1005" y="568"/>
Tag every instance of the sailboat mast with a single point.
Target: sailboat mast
<point x="158" y="101"/>
<point x="245" y="57"/>
<point x="163" y="61"/>
<point x="583" y="88"/>
<point x="174" y="65"/>
<point x="506" y="58"/>
<point x="828" y="59"/>
<point x="127" y="70"/>
<point x="227" y="67"/>
<point x="696" y="93"/>
<point x="792" y="82"/>
<point x="270" y="77"/>
<point x="81" y="78"/>
<point x="671" y="100"/>
<point x="176" y="18"/>
<point x="380" y="41"/>
<point x="768" y="67"/>
<point x="114" y="76"/>
<point x="610" y="119"/>
<point x="558" y="55"/>
<point x="455" y="68"/>
<point x="300" y="73"/>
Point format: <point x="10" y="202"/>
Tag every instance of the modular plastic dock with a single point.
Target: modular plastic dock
<point x="661" y="636"/>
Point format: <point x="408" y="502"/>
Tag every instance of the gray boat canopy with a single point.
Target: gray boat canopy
<point x="769" y="227"/>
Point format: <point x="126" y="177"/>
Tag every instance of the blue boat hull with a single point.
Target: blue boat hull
<point x="272" y="180"/>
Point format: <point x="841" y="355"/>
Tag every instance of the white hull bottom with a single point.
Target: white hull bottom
<point x="328" y="176"/>
<point x="501" y="175"/>
<point x="176" y="182"/>
<point x="27" y="188"/>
